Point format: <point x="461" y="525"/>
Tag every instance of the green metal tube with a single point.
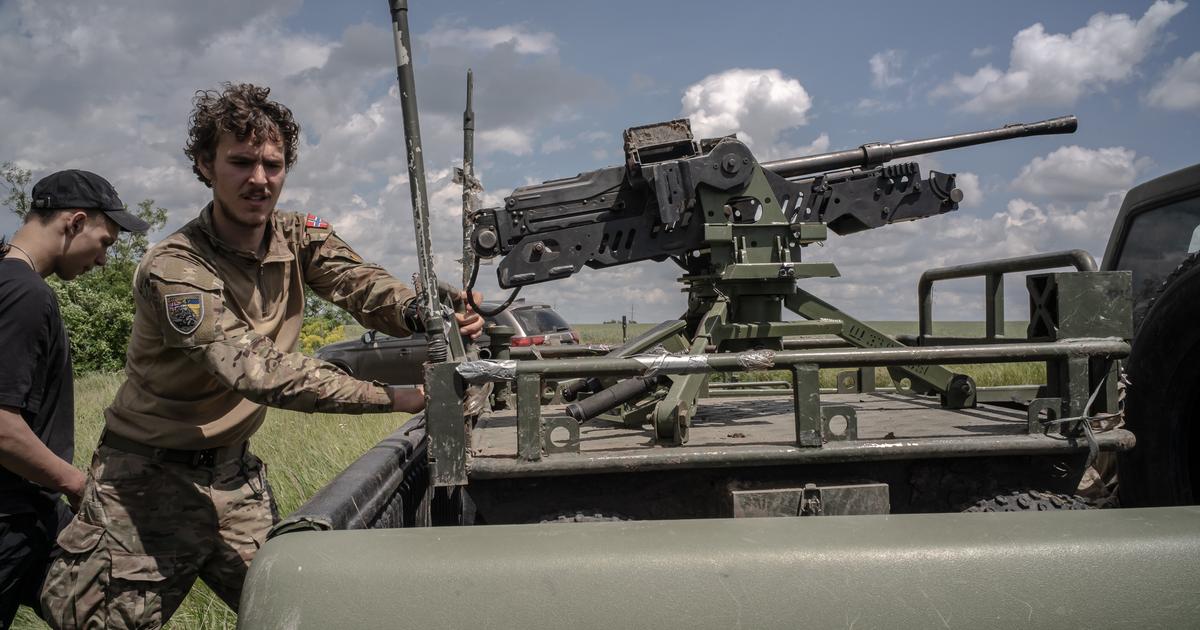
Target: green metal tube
<point x="851" y="357"/>
<point x="1068" y="569"/>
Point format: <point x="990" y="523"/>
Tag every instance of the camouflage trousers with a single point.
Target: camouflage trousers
<point x="147" y="529"/>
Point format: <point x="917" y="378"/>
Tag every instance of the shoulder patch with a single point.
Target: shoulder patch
<point x="185" y="311"/>
<point x="314" y="221"/>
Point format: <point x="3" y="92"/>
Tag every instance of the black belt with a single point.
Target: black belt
<point x="205" y="457"/>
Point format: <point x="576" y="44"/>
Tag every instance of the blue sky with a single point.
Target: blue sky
<point x="106" y="86"/>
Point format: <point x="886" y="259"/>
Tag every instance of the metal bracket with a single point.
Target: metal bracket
<point x="828" y="413"/>
<point x="529" y="416"/>
<point x="810" y="501"/>
<point x="856" y="381"/>
<point x="445" y="425"/>
<point x="553" y="423"/>
<point x="806" y="395"/>
<point x="1053" y="409"/>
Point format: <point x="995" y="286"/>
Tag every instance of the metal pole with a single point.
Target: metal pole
<point x="470" y="194"/>
<point x="435" y="324"/>
<point x="851" y="357"/>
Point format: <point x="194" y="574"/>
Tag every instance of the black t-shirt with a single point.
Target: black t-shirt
<point x="35" y="376"/>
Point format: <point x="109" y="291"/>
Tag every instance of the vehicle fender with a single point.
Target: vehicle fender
<point x="1125" y="568"/>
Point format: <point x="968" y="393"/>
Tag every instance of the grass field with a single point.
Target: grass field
<point x="305" y="451"/>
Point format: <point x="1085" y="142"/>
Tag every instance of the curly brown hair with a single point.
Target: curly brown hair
<point x="245" y="111"/>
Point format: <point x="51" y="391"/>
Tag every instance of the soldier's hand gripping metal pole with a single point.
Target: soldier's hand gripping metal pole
<point x="437" y="325"/>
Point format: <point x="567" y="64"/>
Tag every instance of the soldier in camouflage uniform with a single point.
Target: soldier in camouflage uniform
<point x="173" y="492"/>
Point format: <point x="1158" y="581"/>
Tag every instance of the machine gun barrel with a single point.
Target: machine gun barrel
<point x="869" y="155"/>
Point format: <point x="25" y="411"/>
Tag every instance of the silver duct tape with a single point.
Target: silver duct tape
<point x="672" y="363"/>
<point x="477" y="399"/>
<point x="487" y="371"/>
<point x="757" y="360"/>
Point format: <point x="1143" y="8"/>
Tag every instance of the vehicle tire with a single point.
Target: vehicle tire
<point x="583" y="516"/>
<point x="1163" y="396"/>
<point x="1031" y="501"/>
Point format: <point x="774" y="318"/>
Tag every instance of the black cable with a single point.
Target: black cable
<point x="471" y="298"/>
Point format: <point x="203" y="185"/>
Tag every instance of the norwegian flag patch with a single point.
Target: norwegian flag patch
<point x="314" y="221"/>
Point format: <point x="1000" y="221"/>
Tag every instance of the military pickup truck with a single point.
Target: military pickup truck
<point x="487" y="526"/>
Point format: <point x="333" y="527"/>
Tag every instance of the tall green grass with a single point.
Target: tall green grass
<point x="302" y="451"/>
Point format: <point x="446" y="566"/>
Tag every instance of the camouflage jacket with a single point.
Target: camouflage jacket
<point x="216" y="330"/>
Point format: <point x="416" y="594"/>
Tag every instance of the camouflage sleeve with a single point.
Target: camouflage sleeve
<point x="187" y="299"/>
<point x="337" y="273"/>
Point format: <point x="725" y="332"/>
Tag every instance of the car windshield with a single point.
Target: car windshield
<point x="1157" y="242"/>
<point x="536" y="320"/>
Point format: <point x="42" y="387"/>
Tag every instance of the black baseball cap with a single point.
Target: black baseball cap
<point x="71" y="189"/>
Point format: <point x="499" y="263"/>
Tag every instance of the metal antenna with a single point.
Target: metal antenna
<point x="471" y="187"/>
<point x="435" y="323"/>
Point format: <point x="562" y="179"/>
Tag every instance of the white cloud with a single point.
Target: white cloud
<point x="1057" y="69"/>
<point x="873" y="105"/>
<point x="555" y="144"/>
<point x="1179" y="87"/>
<point x="984" y="51"/>
<point x="760" y="105"/>
<point x="968" y="183"/>
<point x="596" y="136"/>
<point x="870" y="290"/>
<point x="505" y="139"/>
<point x="884" y="68"/>
<point x="1073" y="173"/>
<point x="518" y="37"/>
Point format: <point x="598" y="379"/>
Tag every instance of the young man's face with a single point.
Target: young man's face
<point x="247" y="178"/>
<point x="88" y="240"/>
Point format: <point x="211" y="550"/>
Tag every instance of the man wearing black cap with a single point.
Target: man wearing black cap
<point x="74" y="218"/>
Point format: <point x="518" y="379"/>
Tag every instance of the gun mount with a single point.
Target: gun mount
<point x="737" y="227"/>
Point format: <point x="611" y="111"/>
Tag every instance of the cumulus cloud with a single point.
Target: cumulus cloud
<point x="870" y="290"/>
<point x="518" y="37"/>
<point x="138" y="64"/>
<point x="875" y="105"/>
<point x="1057" y="69"/>
<point x="760" y="105"/>
<point x="884" y="68"/>
<point x="1179" y="87"/>
<point x="968" y="183"/>
<point x="555" y="144"/>
<point x="505" y="139"/>
<point x="1073" y="173"/>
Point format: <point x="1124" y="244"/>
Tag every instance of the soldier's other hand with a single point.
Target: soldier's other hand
<point x="73" y="489"/>
<point x="407" y="399"/>
<point x="470" y="323"/>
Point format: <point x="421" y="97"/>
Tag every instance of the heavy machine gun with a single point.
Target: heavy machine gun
<point x="737" y="228"/>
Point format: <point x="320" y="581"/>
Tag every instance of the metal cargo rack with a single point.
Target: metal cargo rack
<point x="795" y="422"/>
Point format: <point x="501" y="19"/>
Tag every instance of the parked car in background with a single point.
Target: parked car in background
<point x="398" y="360"/>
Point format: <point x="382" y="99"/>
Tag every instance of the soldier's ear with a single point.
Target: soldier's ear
<point x="76" y="221"/>
<point x="206" y="169"/>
